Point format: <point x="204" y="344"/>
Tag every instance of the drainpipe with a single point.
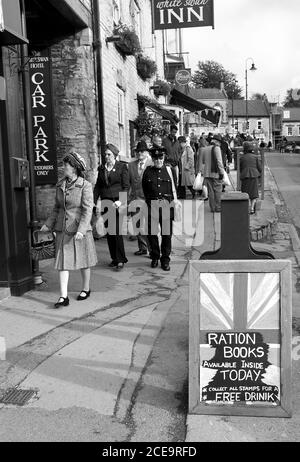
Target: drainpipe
<point x="98" y="55"/>
<point x="34" y="224"/>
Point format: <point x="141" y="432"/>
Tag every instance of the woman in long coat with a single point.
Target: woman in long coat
<point x="187" y="168"/>
<point x="71" y="221"/>
<point x="250" y="167"/>
<point x="112" y="187"/>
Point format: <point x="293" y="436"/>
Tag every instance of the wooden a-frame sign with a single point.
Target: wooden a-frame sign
<point x="240" y="324"/>
<point x="240" y="338"/>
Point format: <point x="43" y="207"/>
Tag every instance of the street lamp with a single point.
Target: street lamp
<point x="232" y="102"/>
<point x="252" y="68"/>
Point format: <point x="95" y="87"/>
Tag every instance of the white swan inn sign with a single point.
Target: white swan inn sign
<point x="177" y="14"/>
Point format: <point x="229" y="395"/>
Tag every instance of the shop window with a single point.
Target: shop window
<point x="290" y="131"/>
<point x="116" y="11"/>
<point x="121" y="120"/>
<point x="135" y="11"/>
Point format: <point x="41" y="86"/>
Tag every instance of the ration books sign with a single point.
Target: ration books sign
<point x="240" y="338"/>
<point x="45" y="159"/>
<point x="176" y="14"/>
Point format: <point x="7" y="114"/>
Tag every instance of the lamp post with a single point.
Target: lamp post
<point x="232" y="102"/>
<point x="252" y="68"/>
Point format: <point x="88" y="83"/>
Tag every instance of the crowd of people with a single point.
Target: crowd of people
<point x="148" y="190"/>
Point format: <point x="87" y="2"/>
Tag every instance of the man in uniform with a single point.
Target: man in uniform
<point x="159" y="189"/>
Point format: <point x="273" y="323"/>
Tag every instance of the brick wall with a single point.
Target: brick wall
<point x="116" y="69"/>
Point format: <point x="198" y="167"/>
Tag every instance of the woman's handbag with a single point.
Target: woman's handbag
<point x="43" y="246"/>
<point x="177" y="204"/>
<point x="226" y="180"/>
<point x="198" y="183"/>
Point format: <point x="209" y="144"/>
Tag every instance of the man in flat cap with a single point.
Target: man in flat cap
<point x="159" y="189"/>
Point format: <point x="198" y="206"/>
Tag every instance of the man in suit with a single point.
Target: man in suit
<point x="136" y="172"/>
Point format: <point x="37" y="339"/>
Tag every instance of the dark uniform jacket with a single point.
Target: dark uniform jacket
<point x="110" y="184"/>
<point x="250" y="166"/>
<point x="157" y="184"/>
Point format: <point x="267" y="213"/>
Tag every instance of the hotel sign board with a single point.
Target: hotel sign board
<point x="44" y="145"/>
<point x="240" y="338"/>
<point x="177" y="14"/>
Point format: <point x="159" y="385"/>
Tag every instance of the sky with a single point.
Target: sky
<point x="265" y="30"/>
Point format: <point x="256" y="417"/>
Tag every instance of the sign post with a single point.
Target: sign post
<point x="42" y="119"/>
<point x="240" y="325"/>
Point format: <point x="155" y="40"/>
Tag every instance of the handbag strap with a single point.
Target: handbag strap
<point x="173" y="184"/>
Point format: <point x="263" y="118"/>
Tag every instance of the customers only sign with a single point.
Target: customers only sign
<point x="176" y="14"/>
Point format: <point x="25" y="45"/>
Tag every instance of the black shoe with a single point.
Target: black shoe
<point x="139" y="253"/>
<point x="154" y="264"/>
<point x="166" y="267"/>
<point x="80" y="298"/>
<point x="120" y="266"/>
<point x="113" y="264"/>
<point x="62" y="302"/>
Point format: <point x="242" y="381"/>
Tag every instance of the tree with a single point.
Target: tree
<point x="260" y="97"/>
<point x="292" y="98"/>
<point x="210" y="74"/>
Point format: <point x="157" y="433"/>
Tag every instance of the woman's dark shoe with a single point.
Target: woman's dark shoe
<point x="166" y="267"/>
<point x="84" y="295"/>
<point x="62" y="302"/>
<point x="139" y="253"/>
<point x="113" y="264"/>
<point x="154" y="264"/>
<point x="120" y="266"/>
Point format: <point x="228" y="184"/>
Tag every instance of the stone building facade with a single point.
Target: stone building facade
<point x="75" y="88"/>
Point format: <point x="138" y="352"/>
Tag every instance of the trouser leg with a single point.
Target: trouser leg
<point x="211" y="194"/>
<point x="142" y="242"/>
<point x="217" y="185"/>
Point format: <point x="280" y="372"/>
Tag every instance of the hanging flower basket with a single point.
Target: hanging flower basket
<point x="146" y="67"/>
<point x="163" y="89"/>
<point x="129" y="44"/>
<point x="145" y="124"/>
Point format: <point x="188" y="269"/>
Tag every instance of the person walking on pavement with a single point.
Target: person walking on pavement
<point x="251" y="169"/>
<point x="71" y="221"/>
<point x="136" y="172"/>
<point x="113" y="179"/>
<point x="186" y="169"/>
<point x="212" y="168"/>
<point x="172" y="148"/>
<point x="159" y="191"/>
<point x="227" y="157"/>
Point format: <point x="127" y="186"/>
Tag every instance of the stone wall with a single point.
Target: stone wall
<point x="75" y="108"/>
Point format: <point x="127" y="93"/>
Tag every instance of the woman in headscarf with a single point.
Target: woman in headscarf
<point x="71" y="221"/>
<point x="250" y="167"/>
<point x="113" y="180"/>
